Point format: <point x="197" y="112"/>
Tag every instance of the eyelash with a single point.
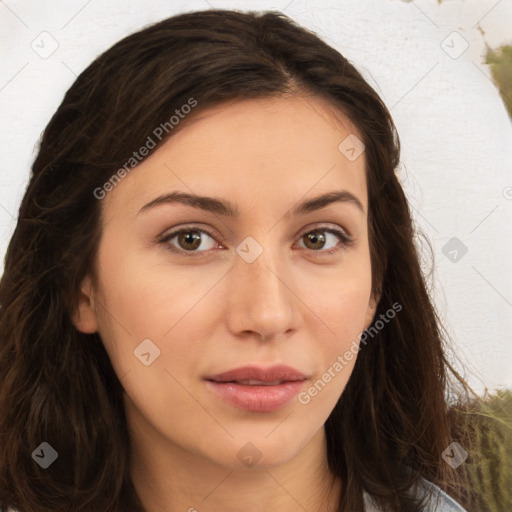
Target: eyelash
<point x="346" y="241"/>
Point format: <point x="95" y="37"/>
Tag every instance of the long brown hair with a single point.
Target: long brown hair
<point x="389" y="427"/>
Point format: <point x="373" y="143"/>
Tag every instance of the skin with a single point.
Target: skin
<point x="294" y="304"/>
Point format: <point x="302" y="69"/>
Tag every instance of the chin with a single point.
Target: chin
<point x="259" y="452"/>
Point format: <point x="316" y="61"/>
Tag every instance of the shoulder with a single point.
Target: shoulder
<point x="445" y="503"/>
<point x="436" y="500"/>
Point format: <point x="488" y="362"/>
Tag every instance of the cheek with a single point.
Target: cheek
<point x="339" y="312"/>
<point x="339" y="296"/>
<point x="336" y="352"/>
<point x="151" y="327"/>
<point x="145" y="296"/>
<point x="170" y="305"/>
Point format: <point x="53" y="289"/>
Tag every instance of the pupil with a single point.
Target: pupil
<point x="314" y="238"/>
<point x="190" y="238"/>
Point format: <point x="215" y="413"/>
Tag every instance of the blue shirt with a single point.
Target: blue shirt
<point x="439" y="501"/>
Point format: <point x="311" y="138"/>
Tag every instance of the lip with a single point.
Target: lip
<point x="257" y="398"/>
<point x="279" y="372"/>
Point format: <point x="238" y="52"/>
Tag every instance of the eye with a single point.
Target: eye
<point x="319" y="238"/>
<point x="189" y="240"/>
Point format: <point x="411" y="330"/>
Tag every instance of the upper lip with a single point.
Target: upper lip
<point x="281" y="373"/>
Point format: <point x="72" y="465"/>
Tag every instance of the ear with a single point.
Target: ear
<point x="85" y="316"/>
<point x="370" y="312"/>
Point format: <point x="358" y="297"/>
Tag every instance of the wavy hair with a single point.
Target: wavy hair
<point x="57" y="385"/>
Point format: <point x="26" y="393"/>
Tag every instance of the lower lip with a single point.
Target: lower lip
<point x="256" y="398"/>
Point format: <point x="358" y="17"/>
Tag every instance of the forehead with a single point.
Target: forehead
<point x="283" y="148"/>
<point x="283" y="124"/>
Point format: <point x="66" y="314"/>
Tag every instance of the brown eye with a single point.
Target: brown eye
<point x="323" y="240"/>
<point x="189" y="240"/>
<point x="314" y="240"/>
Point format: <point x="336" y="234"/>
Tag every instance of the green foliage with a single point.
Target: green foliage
<point x="484" y="429"/>
<point x="500" y="62"/>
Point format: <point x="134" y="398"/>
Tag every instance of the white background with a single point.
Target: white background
<point x="455" y="132"/>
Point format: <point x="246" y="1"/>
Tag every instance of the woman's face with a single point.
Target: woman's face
<point x="261" y="279"/>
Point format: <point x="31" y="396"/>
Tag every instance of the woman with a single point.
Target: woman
<point x="212" y="299"/>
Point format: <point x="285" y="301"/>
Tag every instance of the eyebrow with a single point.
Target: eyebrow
<point x="223" y="207"/>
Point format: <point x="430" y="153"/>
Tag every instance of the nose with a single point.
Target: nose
<point x="261" y="301"/>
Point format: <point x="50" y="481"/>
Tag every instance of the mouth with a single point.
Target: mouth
<point x="253" y="382"/>
<point x="255" y="375"/>
<point x="257" y="389"/>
